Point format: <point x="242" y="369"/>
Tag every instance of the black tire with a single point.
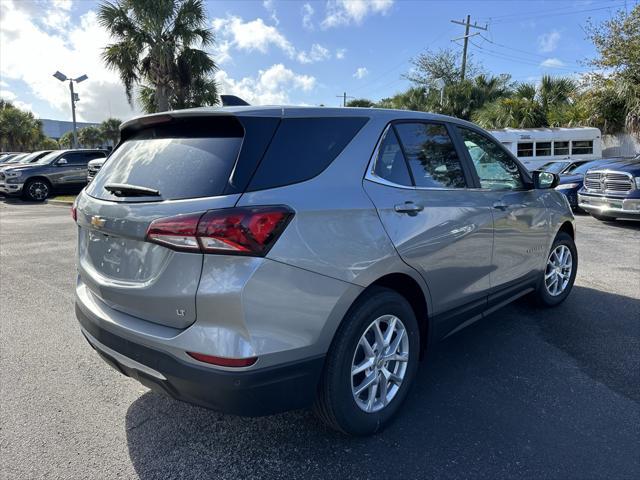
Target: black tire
<point x="36" y="190"/>
<point x="602" y="218"/>
<point x="542" y="295"/>
<point x="335" y="402"/>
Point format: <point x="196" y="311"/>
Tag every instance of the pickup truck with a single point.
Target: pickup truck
<point x="60" y="170"/>
<point x="612" y="191"/>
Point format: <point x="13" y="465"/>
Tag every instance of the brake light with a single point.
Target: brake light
<point x="223" y="361"/>
<point x="234" y="231"/>
<point x="74" y="213"/>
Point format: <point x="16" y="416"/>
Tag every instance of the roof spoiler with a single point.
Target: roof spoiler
<point x="232" y="101"/>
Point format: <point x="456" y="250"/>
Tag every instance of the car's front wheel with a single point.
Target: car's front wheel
<point x="370" y="365"/>
<point x="37" y="190"/>
<point x="559" y="272"/>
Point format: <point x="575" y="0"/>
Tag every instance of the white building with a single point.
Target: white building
<point x="536" y="146"/>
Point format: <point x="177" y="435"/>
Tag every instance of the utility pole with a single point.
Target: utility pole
<point x="467" y="25"/>
<point x="344" y="98"/>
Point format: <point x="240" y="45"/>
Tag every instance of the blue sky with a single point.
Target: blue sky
<point x="295" y="52"/>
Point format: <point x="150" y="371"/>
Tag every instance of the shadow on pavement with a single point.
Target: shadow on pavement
<point x="526" y="393"/>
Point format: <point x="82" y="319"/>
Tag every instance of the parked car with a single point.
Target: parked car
<point x="61" y="170"/>
<point x="612" y="191"/>
<point x="258" y="259"/>
<point x="562" y="166"/>
<point x="571" y="181"/>
<point x="4" y="156"/>
<point x="25" y="159"/>
<point x="11" y="159"/>
<point x="94" y="167"/>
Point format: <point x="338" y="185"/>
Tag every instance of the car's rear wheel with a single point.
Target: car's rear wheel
<point x="370" y="365"/>
<point x="559" y="272"/>
<point x="37" y="190"/>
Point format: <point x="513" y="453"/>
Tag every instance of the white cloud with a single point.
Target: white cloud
<point x="269" y="87"/>
<point x="360" y="73"/>
<point x="340" y="53"/>
<point x="251" y="36"/>
<point x="548" y="42"/>
<point x="552" y="63"/>
<point x="345" y="12"/>
<point x="316" y="54"/>
<point x="255" y="35"/>
<point x="307" y="14"/>
<point x="31" y="53"/>
<point x="270" y="7"/>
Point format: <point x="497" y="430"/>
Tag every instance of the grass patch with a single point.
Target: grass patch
<point x="64" y="198"/>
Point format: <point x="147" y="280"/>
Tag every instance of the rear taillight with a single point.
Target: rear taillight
<point x="74" y="213"/>
<point x="234" y="231"/>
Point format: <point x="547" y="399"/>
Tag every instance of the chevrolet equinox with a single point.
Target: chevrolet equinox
<point x="260" y="259"/>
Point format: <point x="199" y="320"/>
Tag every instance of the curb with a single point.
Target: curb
<point x="60" y="202"/>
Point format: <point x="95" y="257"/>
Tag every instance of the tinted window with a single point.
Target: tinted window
<point x="431" y="155"/>
<point x="582" y="147"/>
<point x="77" y="158"/>
<point x="525" y="149"/>
<point x="180" y="161"/>
<point x="556" y="167"/>
<point x="302" y="148"/>
<point x="561" y="148"/>
<point x="495" y="168"/>
<point x="543" y="149"/>
<point x="390" y="163"/>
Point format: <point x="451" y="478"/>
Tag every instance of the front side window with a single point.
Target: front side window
<point x="543" y="149"/>
<point x="431" y="155"/>
<point x="390" y="164"/>
<point x="525" y="149"/>
<point x="561" y="148"/>
<point x="495" y="168"/>
<point x="76" y="158"/>
<point x="582" y="147"/>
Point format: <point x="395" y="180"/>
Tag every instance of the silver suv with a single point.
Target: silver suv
<point x="259" y="259"/>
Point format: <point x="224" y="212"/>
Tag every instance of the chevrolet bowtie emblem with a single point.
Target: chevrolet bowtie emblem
<point x="97" y="221"/>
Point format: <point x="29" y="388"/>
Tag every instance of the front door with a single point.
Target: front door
<point x="439" y="226"/>
<point x="520" y="219"/>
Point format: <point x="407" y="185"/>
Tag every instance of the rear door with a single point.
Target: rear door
<point x="189" y="162"/>
<point x="439" y="225"/>
<point x="520" y="218"/>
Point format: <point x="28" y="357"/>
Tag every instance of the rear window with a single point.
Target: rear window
<point x="188" y="160"/>
<point x="302" y="148"/>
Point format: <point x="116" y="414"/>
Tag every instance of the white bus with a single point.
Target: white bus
<point x="536" y="146"/>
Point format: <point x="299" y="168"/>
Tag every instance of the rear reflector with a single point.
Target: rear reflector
<point x="233" y="231"/>
<point x="223" y="361"/>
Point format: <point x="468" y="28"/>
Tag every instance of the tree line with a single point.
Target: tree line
<point x="607" y="98"/>
<point x="20" y="131"/>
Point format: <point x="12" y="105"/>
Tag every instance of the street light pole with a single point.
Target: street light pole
<point x="73" y="113"/>
<point x="74" y="98"/>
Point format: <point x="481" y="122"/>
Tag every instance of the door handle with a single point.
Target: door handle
<point x="500" y="205"/>
<point x="408" y="207"/>
<point x="508" y="206"/>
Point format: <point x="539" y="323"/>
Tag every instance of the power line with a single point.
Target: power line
<point x="344" y="97"/>
<point x="549" y="11"/>
<point x="543" y="15"/>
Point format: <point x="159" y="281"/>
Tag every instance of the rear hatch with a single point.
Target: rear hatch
<point x="164" y="167"/>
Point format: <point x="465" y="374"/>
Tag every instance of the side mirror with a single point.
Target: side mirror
<point x="62" y="161"/>
<point x="544" y="180"/>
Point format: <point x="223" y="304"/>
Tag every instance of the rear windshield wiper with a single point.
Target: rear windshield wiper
<point x="126" y="190"/>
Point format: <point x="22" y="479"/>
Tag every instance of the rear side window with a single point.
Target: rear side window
<point x="431" y="154"/>
<point x="302" y="148"/>
<point x="188" y="160"/>
<point x="390" y="164"/>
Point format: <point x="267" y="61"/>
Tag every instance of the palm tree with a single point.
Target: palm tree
<point x="90" y="137"/>
<point x="154" y="46"/>
<point x="110" y="130"/>
<point x="66" y="140"/>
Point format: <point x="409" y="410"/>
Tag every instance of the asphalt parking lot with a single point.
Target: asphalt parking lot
<point x="526" y="393"/>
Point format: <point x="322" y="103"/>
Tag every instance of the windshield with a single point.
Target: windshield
<point x="16" y="159"/>
<point x="28" y="158"/>
<point x="48" y="158"/>
<point x="554" y="167"/>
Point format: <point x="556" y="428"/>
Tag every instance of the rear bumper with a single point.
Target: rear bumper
<point x="256" y="392"/>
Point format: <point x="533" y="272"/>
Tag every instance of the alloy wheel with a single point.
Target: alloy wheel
<point x="379" y="363"/>
<point x="558" y="272"/>
<point x="38" y="190"/>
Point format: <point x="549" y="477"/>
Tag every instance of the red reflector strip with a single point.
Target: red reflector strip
<point x="223" y="361"/>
